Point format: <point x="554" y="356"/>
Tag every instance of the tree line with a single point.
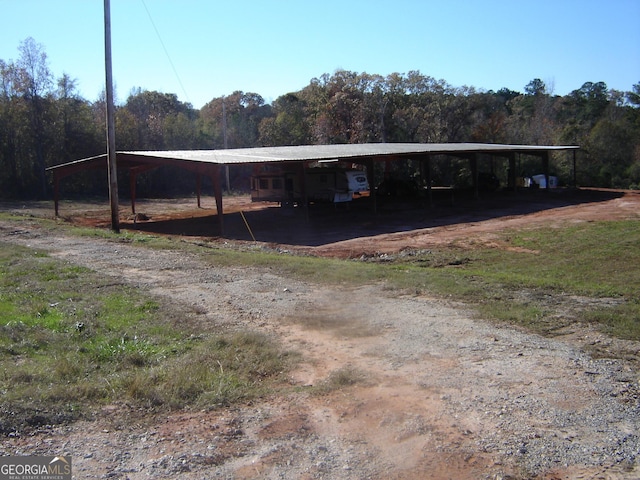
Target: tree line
<point x="45" y="122"/>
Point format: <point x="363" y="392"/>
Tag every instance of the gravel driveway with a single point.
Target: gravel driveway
<point x="441" y="394"/>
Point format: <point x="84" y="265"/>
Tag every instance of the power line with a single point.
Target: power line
<point x="175" y="72"/>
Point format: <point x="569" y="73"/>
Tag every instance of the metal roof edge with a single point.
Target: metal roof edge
<point x="76" y="162"/>
<point x="297" y="153"/>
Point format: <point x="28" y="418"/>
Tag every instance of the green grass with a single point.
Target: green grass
<point x="71" y="340"/>
<point x="529" y="284"/>
<point x="218" y="371"/>
<point x="339" y="379"/>
<point x="589" y="258"/>
<point x="542" y="279"/>
<point x="597" y="262"/>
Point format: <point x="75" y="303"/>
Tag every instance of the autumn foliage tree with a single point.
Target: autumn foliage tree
<point x="44" y="122"/>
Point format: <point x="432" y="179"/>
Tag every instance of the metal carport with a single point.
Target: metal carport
<point x="209" y="162"/>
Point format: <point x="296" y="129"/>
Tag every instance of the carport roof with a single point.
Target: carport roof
<point x="304" y="153"/>
<point x="209" y="161"/>
<point x="343" y="151"/>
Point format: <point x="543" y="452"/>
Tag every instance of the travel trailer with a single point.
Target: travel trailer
<point x="541" y="181"/>
<point x="323" y="185"/>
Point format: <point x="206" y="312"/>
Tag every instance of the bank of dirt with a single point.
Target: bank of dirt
<point x="439" y="392"/>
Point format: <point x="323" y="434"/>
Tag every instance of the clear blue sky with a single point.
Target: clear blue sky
<point x="272" y="47"/>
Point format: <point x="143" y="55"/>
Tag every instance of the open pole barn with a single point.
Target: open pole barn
<point x="210" y="163"/>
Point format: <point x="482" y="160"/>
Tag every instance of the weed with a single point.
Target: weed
<point x="339" y="379"/>
<point x="71" y="340"/>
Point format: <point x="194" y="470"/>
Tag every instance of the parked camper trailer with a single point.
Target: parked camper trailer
<point x="541" y="181"/>
<point x="275" y="187"/>
<point x="329" y="185"/>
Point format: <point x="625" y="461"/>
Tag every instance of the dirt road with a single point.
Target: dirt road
<point x="440" y="394"/>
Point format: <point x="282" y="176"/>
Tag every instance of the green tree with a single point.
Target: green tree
<point x="76" y="134"/>
<point x="151" y="109"/>
<point x="233" y="120"/>
<point x="9" y="129"/>
<point x="634" y="95"/>
<point x="532" y="116"/>
<point x="289" y="126"/>
<point x="590" y="101"/>
<point x="535" y="87"/>
<point x="180" y="132"/>
<point x="34" y="86"/>
<point x="343" y="108"/>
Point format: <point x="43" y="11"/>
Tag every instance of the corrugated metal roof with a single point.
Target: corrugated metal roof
<point x="208" y="161"/>
<point x="304" y="153"/>
<point x="343" y="151"/>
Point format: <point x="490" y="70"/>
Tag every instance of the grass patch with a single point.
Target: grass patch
<point x="217" y="372"/>
<point x="532" y="280"/>
<point x="622" y="321"/>
<point x="598" y="258"/>
<point x="545" y="279"/>
<point x="588" y="273"/>
<point x="71" y="340"/>
<point x="340" y="379"/>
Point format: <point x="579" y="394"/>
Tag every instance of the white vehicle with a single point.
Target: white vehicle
<point x="357" y="181"/>
<point x="332" y="185"/>
<point x="541" y="181"/>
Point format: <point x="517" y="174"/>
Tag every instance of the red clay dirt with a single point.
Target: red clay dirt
<point x="355" y="230"/>
<point x="442" y="395"/>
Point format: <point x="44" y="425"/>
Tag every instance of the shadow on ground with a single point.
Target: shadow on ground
<point x="323" y="224"/>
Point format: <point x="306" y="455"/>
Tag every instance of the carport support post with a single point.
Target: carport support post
<point x="425" y="177"/>
<point x="429" y="181"/>
<point x="132" y="189"/>
<point x="56" y="191"/>
<point x="198" y="186"/>
<point x="305" y="191"/>
<point x="217" y="191"/>
<point x="368" y="164"/>
<point x="512" y="172"/>
<point x="473" y="162"/>
<point x="545" y="168"/>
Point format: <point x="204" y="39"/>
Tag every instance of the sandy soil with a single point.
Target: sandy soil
<point x="441" y="393"/>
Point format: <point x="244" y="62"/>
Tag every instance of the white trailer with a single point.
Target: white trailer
<point x="328" y="185"/>
<point x="541" y="181"/>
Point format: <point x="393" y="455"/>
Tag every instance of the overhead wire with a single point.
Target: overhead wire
<point x="166" y="52"/>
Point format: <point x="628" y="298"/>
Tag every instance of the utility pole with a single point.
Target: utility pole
<point x="111" y="130"/>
